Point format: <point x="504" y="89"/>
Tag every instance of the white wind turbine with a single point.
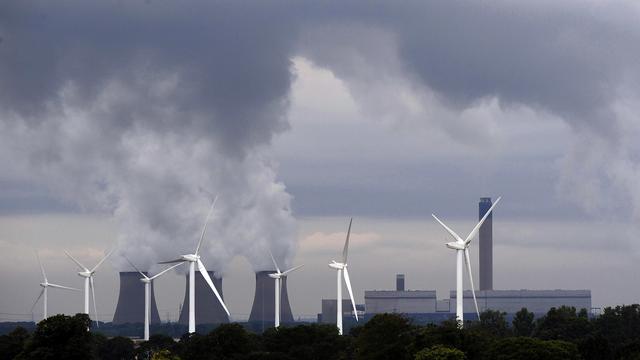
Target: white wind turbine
<point x="45" y="285"/>
<point x="194" y="259"/>
<point x="277" y="276"/>
<point x="462" y="250"/>
<point x="147" y="294"/>
<point x="88" y="274"/>
<point x="342" y="267"/>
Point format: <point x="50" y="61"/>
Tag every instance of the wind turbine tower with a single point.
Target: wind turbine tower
<point x="341" y="268"/>
<point x="462" y="254"/>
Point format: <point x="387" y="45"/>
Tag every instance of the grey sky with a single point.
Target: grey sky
<point x="302" y="114"/>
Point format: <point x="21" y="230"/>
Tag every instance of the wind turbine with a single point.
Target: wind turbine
<point x="342" y="267"/>
<point x="194" y="259"/>
<point x="462" y="250"/>
<point x="88" y="282"/>
<point x="147" y="293"/>
<point x="277" y="276"/>
<point x="45" y="285"/>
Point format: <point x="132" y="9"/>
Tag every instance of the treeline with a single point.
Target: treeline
<point x="563" y="333"/>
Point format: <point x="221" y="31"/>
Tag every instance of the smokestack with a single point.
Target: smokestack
<point x="130" y="308"/>
<point x="208" y="308"/>
<point x="400" y="282"/>
<point x="264" y="300"/>
<point x="486" y="245"/>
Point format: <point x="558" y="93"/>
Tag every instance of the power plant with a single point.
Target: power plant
<point x="208" y="308"/>
<point x="263" y="309"/>
<point x="485" y="242"/>
<point x="130" y="307"/>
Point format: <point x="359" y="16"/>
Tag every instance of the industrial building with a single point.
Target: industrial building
<point x="264" y="304"/>
<point x="130" y="307"/>
<point x="423" y="305"/>
<point x="208" y="308"/>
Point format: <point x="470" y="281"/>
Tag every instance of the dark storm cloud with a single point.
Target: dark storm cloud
<point x="232" y="62"/>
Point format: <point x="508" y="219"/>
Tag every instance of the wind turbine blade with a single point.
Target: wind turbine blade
<point x="475" y="230"/>
<point x="44" y="275"/>
<point x="63" y="287"/>
<point x="38" y="299"/>
<point x="348" y="282"/>
<point x="165" y="270"/>
<point x="292" y="269"/>
<point x="206" y="277"/>
<point x="345" y="251"/>
<point x="171" y="261"/>
<point x="130" y="263"/>
<point x="473" y="290"/>
<point x="82" y="267"/>
<point x="453" y="233"/>
<point x="93" y="295"/>
<point x="204" y="228"/>
<point x="103" y="259"/>
<point x="274" y="262"/>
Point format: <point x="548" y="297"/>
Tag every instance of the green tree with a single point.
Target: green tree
<point x="157" y="343"/>
<point x="385" y="336"/>
<point x="227" y="341"/>
<point x="164" y="355"/>
<point x="619" y="325"/>
<point x="563" y="323"/>
<point x="314" y="341"/>
<point x="60" y="337"/>
<point x="526" y="348"/>
<point x="439" y="352"/>
<point x="494" y="323"/>
<point x="523" y="324"/>
<point x="116" y="348"/>
<point x="12" y="344"/>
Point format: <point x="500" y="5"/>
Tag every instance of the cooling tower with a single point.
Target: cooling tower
<point x="263" y="309"/>
<point x="130" y="308"/>
<point x="208" y="308"/>
<point x="485" y="252"/>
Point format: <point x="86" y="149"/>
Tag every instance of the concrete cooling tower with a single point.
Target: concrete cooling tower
<point x="263" y="309"/>
<point x="130" y="308"/>
<point x="208" y="308"/>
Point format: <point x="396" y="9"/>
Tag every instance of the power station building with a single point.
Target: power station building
<point x="423" y="305"/>
<point x="130" y="307"/>
<point x="208" y="308"/>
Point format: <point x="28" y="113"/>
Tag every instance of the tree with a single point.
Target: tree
<point x="563" y="324"/>
<point x="385" y="336"/>
<point x="116" y="348"/>
<point x="526" y="348"/>
<point x="157" y="343"/>
<point x="494" y="323"/>
<point x="620" y="325"/>
<point x="227" y="341"/>
<point x="523" y="324"/>
<point x="12" y="344"/>
<point x="439" y="352"/>
<point x="314" y="341"/>
<point x="60" y="337"/>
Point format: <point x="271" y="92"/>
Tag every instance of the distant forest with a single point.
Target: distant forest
<point x="563" y="333"/>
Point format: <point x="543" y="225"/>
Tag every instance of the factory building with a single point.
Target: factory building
<point x="538" y="302"/>
<point x="130" y="307"/>
<point x="264" y="303"/>
<point x="328" y="315"/>
<point x="208" y="308"/>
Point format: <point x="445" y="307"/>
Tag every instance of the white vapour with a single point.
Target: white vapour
<point x="154" y="182"/>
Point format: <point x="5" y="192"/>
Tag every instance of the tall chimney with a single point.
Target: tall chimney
<point x="486" y="245"/>
<point x="400" y="282"/>
<point x="130" y="308"/>
<point x="263" y="309"/>
<point x="208" y="308"/>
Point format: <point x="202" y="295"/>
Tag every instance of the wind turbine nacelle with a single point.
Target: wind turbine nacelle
<point x="337" y="266"/>
<point x="85" y="274"/>
<point x="455" y="245"/>
<point x="44" y="284"/>
<point x="190" y="257"/>
<point x="274" y="276"/>
<point x="145" y="280"/>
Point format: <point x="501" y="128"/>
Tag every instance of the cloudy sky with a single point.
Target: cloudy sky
<point x="119" y="119"/>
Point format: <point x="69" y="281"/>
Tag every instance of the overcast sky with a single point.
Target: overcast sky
<point x="118" y="119"/>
